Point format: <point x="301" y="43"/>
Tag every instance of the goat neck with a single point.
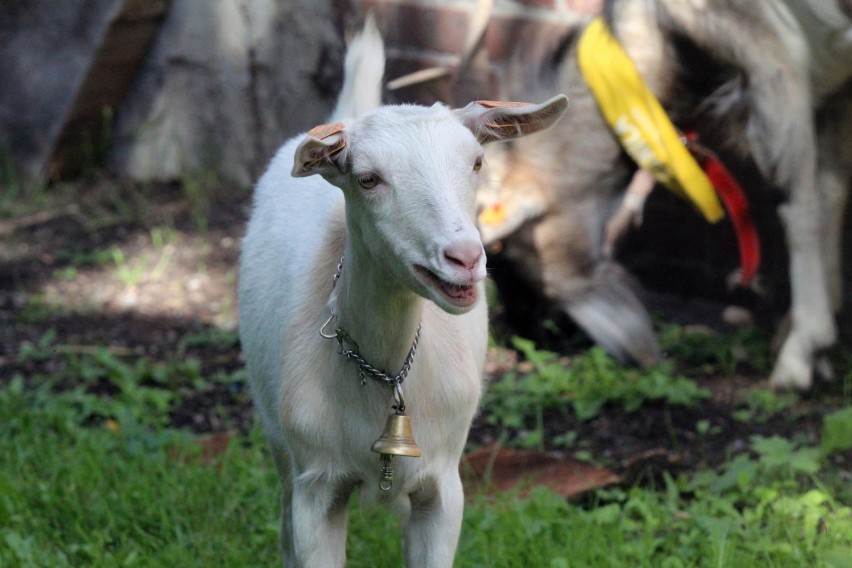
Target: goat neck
<point x="375" y="308"/>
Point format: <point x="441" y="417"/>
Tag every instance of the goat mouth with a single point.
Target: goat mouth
<point x="460" y="295"/>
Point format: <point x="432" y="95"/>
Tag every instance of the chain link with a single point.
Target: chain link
<point x="365" y="369"/>
<point x="337" y="274"/>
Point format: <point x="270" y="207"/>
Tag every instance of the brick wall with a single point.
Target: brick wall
<point x="427" y="33"/>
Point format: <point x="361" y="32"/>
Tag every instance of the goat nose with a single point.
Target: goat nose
<point x="465" y="255"/>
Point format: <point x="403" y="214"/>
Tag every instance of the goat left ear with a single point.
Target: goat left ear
<point x="322" y="151"/>
<point x="492" y="121"/>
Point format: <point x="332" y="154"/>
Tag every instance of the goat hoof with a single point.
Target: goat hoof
<point x="791" y="375"/>
<point x="794" y="368"/>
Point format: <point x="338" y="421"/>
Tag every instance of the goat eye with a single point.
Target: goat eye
<point x="477" y="165"/>
<point x="368" y="181"/>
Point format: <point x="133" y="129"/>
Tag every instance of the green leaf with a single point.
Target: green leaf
<point x="836" y="432"/>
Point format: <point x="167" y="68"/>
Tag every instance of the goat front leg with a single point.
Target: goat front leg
<point x="804" y="219"/>
<point x="433" y="527"/>
<point x="835" y="169"/>
<point x="318" y="522"/>
<point x="834" y="128"/>
<point x="629" y="214"/>
<point x="812" y="322"/>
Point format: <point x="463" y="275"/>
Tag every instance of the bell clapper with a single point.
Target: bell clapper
<point x="386" y="473"/>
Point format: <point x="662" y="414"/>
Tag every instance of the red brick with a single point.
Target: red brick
<point x="479" y="83"/>
<point x="545" y="4"/>
<point x="423" y="27"/>
<point x="538" y="37"/>
<point x="584" y="6"/>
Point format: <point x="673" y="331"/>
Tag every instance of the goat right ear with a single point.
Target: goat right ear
<point x="322" y="151"/>
<point x="492" y="121"/>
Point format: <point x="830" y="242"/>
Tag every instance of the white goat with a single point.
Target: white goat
<point x="402" y="218"/>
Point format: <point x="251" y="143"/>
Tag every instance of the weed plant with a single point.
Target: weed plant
<point x="591" y="381"/>
<point x="744" y="349"/>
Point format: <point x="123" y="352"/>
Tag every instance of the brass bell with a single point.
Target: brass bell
<point x="397" y="438"/>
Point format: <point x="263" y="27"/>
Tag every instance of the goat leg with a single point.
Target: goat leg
<point x="629" y="214"/>
<point x="319" y="520"/>
<point x="433" y="526"/>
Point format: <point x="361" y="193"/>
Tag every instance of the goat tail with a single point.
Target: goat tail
<point x="363" y="71"/>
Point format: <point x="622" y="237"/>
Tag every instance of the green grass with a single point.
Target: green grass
<point x="89" y="485"/>
<point x="76" y="496"/>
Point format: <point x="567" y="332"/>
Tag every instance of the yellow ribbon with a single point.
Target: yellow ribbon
<point x="639" y="121"/>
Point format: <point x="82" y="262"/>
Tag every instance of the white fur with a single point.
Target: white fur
<point x="319" y="419"/>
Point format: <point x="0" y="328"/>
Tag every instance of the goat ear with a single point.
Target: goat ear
<point x="322" y="151"/>
<point x="492" y="121"/>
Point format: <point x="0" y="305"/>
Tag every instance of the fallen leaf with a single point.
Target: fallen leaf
<point x="506" y="468"/>
<point x="214" y="445"/>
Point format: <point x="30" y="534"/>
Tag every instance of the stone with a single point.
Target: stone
<point x="46" y="49"/>
<point x="226" y="83"/>
<point x="86" y="135"/>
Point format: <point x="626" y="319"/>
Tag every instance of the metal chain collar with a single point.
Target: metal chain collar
<point x="365" y="369"/>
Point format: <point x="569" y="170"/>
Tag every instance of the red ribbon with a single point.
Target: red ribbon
<point x="735" y="203"/>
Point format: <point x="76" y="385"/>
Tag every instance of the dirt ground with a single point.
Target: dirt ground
<point x="137" y="271"/>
